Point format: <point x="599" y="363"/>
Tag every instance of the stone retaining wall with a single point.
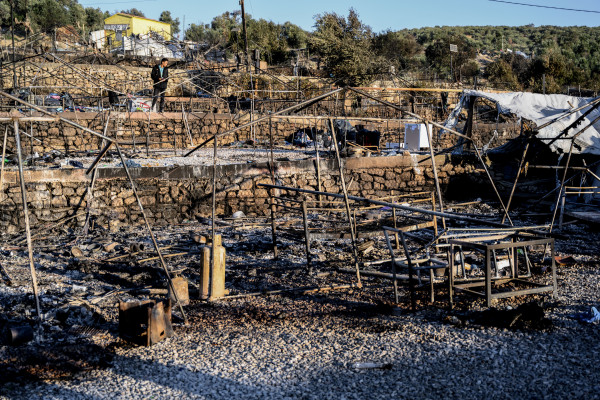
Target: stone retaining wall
<point x="171" y="195"/>
<point x="87" y="79"/>
<point x="169" y="130"/>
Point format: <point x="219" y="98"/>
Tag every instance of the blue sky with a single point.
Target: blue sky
<point x="379" y="14"/>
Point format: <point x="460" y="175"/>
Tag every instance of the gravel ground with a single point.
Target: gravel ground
<point x="296" y="346"/>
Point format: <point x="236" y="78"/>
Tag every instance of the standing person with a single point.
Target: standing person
<point x="160" y="76"/>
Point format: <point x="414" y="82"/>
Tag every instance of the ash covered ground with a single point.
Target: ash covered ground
<point x="233" y="154"/>
<point x="350" y="343"/>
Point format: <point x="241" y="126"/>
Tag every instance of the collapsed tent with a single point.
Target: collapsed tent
<point x="555" y="110"/>
<point x="150" y="47"/>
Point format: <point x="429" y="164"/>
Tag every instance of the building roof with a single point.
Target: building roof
<point x="135" y="16"/>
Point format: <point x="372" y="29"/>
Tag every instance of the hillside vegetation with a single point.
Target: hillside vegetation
<point x="567" y="55"/>
<point x="519" y="58"/>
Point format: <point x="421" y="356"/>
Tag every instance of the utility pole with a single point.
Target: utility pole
<point x="453" y="49"/>
<point x="245" y="36"/>
<point x="12" y="32"/>
<point x="544" y="83"/>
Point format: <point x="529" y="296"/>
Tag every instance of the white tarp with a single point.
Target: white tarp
<point x="98" y="38"/>
<point x="540" y="109"/>
<point x="150" y="48"/>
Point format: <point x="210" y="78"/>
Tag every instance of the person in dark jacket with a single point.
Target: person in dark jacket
<point x="160" y="76"/>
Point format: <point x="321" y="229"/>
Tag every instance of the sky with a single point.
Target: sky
<point x="380" y="15"/>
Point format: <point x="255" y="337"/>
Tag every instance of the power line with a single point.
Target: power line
<point x="116" y="2"/>
<point x="541" y="6"/>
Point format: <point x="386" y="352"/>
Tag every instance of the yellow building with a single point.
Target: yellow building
<point x="122" y="24"/>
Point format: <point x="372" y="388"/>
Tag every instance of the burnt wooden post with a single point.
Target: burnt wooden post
<point x="488" y="277"/>
<point x="306" y="234"/>
<point x="318" y="166"/>
<point x="451" y="276"/>
<point x="26" y="218"/>
<point x="395" y="222"/>
<point x="393" y="260"/>
<point x="273" y="225"/>
<point x="347" y="202"/>
<point x="2" y="165"/>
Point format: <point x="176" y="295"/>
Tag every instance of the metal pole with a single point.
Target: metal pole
<point x="492" y="182"/>
<point x="148" y="138"/>
<point x="347" y="202"/>
<point x="12" y="33"/>
<point x="318" y="161"/>
<point x="104" y="149"/>
<point x="435" y="175"/>
<point x="26" y="217"/>
<point x="562" y="185"/>
<point x="411" y="282"/>
<point x="306" y="235"/>
<point x="2" y="165"/>
<point x="271" y="149"/>
<point x="156" y="247"/>
<point x="214" y="206"/>
<point x="394" y="277"/>
<point x="395" y="223"/>
<point x="245" y="36"/>
<point x="271" y="197"/>
<point x="562" y="208"/>
<point x="273" y="226"/>
<point x="90" y="197"/>
<point x="544" y="83"/>
<point x="512" y="192"/>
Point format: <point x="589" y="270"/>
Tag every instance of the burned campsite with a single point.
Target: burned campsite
<point x="179" y="220"/>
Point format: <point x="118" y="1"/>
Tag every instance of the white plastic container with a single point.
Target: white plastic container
<point x="415" y="136"/>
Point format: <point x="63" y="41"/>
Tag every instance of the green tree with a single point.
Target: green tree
<point x="134" y="11"/>
<point x="296" y="37"/>
<point x="195" y="33"/>
<point x="396" y="47"/>
<point x="344" y="44"/>
<point x="75" y="14"/>
<point x="20" y="10"/>
<point x="268" y="37"/>
<point x="439" y="56"/>
<point x="500" y="73"/>
<point x="94" y="18"/>
<point x="520" y="66"/>
<point x="165" y="16"/>
<point x="470" y="69"/>
<point x="203" y="34"/>
<point x="49" y="14"/>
